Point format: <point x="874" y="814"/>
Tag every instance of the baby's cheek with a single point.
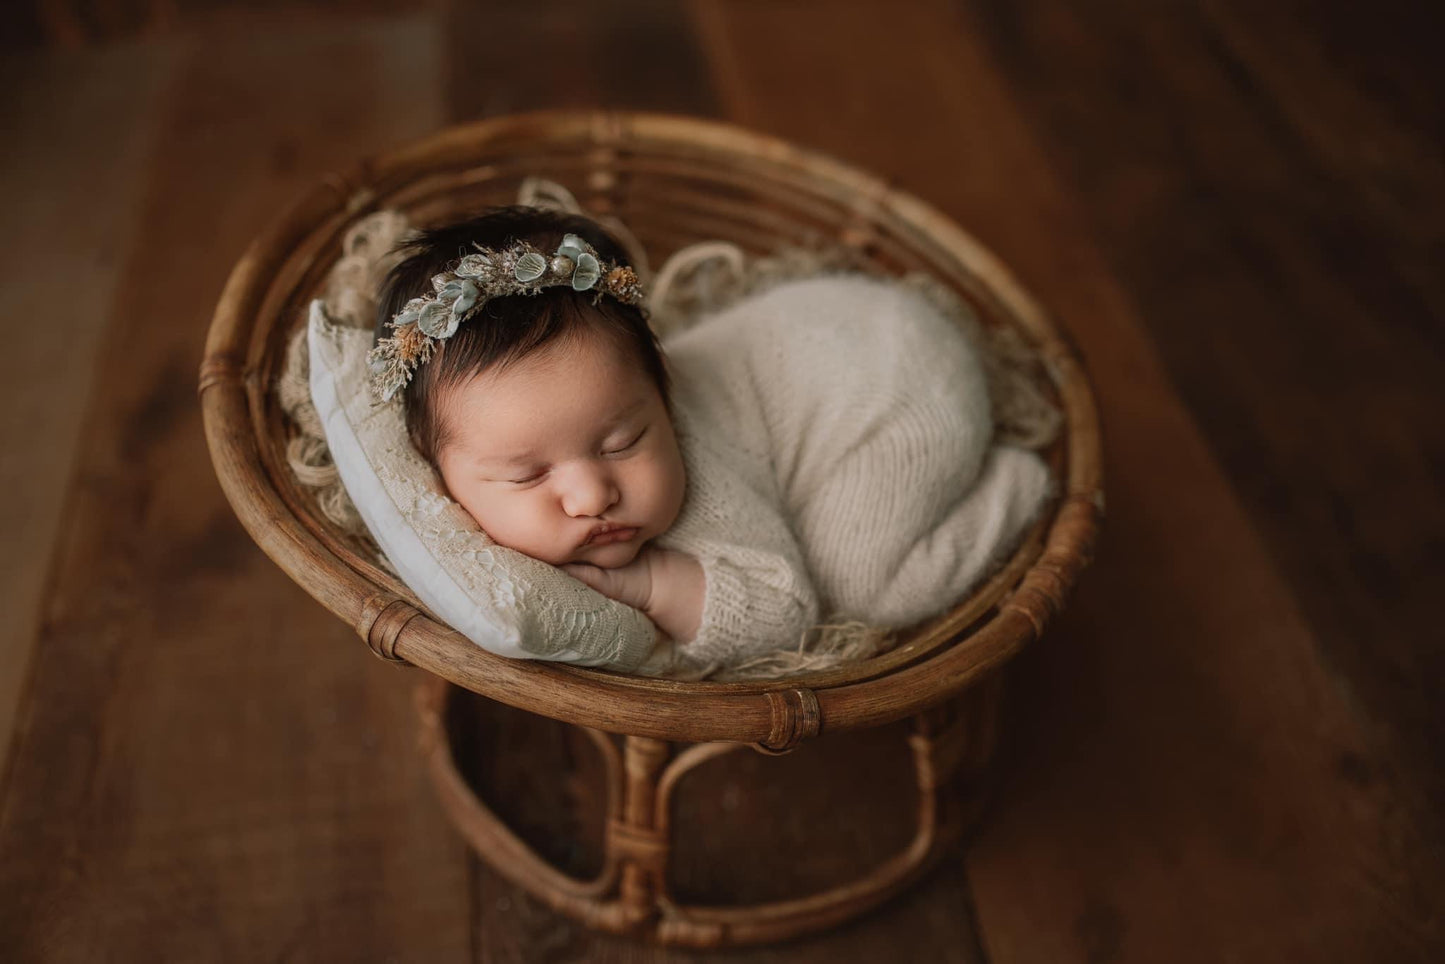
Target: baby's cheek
<point x="503" y="523"/>
<point x="539" y="528"/>
<point x="472" y="503"/>
<point x="667" y="490"/>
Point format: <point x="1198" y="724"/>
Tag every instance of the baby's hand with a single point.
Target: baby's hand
<point x="668" y="586"/>
<point x="630" y="584"/>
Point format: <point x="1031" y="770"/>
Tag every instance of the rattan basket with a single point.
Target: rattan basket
<point x="673" y="181"/>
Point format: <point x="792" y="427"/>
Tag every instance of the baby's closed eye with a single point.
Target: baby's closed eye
<point x="625" y="446"/>
<point x="526" y="477"/>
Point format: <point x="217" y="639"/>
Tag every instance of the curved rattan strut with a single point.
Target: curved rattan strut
<point x="673" y="181"/>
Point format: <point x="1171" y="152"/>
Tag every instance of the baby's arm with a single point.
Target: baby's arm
<point x="668" y="586"/>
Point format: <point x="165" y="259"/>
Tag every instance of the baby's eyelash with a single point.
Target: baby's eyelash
<point x="531" y="478"/>
<point x="635" y="439"/>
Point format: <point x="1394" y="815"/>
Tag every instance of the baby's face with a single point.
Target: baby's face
<point x="567" y="455"/>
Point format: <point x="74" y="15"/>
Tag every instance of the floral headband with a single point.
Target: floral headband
<point x="460" y="292"/>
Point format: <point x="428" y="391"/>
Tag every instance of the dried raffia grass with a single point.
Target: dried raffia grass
<point x="698" y="280"/>
<point x="823" y="646"/>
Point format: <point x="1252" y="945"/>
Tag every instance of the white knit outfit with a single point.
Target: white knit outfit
<point x="836" y="433"/>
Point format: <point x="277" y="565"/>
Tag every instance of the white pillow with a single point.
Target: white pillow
<point x="505" y="602"/>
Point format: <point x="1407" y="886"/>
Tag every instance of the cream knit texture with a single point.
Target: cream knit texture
<point x="837" y="436"/>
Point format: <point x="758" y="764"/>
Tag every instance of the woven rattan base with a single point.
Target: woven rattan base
<point x="940" y="759"/>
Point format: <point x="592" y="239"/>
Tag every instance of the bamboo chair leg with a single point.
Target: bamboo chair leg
<point x="635" y="839"/>
<point x="950" y="744"/>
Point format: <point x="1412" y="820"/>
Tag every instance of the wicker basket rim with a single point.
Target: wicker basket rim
<point x="234" y="381"/>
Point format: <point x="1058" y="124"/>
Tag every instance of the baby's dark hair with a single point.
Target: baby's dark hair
<point x="510" y="327"/>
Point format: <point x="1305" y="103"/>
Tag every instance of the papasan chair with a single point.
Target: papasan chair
<point x="672" y="181"/>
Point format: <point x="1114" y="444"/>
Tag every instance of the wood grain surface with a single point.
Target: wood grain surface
<point x="59" y="106"/>
<point x="1225" y="749"/>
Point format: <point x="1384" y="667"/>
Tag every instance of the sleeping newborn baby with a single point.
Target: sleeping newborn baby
<point x="820" y="451"/>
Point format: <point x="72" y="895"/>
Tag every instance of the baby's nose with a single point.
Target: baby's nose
<point x="588" y="491"/>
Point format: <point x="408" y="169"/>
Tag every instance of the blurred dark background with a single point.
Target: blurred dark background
<point x="1227" y="748"/>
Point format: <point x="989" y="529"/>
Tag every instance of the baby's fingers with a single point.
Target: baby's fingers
<point x="591" y="575"/>
<point x="602" y="580"/>
<point x="613" y="583"/>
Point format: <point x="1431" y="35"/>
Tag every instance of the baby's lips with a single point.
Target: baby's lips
<point x="606" y="530"/>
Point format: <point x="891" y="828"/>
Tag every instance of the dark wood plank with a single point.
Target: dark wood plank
<point x="1272" y="191"/>
<point x="1278" y="218"/>
<point x="628" y="54"/>
<point x="1190" y="782"/>
<point x="58" y="239"/>
<point x="208" y="765"/>
<point x="81" y="24"/>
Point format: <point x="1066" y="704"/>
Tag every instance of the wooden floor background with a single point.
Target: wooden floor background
<point x="1227" y="749"/>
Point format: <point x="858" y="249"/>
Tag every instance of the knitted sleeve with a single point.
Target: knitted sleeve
<point x="759" y="598"/>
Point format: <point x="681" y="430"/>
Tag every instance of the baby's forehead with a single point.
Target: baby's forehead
<point x="561" y="392"/>
<point x="565" y="364"/>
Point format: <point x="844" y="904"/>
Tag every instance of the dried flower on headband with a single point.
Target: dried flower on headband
<point x="477" y="278"/>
